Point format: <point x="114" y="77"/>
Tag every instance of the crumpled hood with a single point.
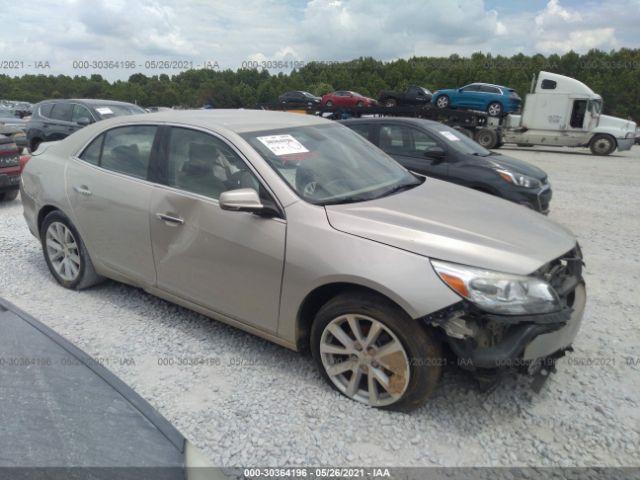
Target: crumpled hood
<point x="448" y="222"/>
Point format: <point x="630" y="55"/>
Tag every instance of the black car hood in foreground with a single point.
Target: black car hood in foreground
<point x="498" y="161"/>
<point x="65" y="416"/>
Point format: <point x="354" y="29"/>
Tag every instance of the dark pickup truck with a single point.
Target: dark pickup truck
<point x="414" y="95"/>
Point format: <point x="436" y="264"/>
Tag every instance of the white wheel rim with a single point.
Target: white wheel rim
<point x="442" y="102"/>
<point x="494" y="109"/>
<point x="365" y="360"/>
<point x="63" y="251"/>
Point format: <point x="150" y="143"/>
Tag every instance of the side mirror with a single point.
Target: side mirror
<point x="83" y="121"/>
<point x="244" y="200"/>
<point x="460" y="90"/>
<point x="435" y="152"/>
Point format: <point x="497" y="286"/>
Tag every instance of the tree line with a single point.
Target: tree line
<point x="615" y="75"/>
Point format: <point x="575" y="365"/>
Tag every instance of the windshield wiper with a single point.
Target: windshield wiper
<point x="399" y="188"/>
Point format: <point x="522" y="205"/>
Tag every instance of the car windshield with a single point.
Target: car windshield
<point x="307" y="94"/>
<point x="330" y="164"/>
<point x="111" y="110"/>
<point x="459" y="141"/>
<point x="595" y="106"/>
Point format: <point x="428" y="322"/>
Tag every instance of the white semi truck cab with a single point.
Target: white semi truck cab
<point x="562" y="111"/>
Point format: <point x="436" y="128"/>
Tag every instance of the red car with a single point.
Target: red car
<point x="10" y="169"/>
<point x="345" y="98"/>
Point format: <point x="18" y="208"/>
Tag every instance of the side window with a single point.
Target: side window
<point x="128" y="150"/>
<point x="577" y="113"/>
<point x="413" y="91"/>
<point x="203" y="164"/>
<point x="61" y="111"/>
<point x="79" y="112"/>
<point x="422" y="142"/>
<point x="393" y="139"/>
<point x="471" y="88"/>
<point x="91" y="154"/>
<point x="488" y="89"/>
<point x="362" y="130"/>
<point x="45" y="110"/>
<point x="401" y="140"/>
<point x="548" y="84"/>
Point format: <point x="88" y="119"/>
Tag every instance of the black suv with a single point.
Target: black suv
<point x="436" y="150"/>
<point x="299" y="99"/>
<point x="53" y="120"/>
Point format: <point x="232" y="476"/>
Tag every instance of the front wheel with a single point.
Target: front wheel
<point x="390" y="102"/>
<point x="371" y="351"/>
<point x="329" y="104"/>
<point x="602" y="144"/>
<point x="65" y="253"/>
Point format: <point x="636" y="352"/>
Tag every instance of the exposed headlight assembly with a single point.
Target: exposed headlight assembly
<point x="519" y="179"/>
<point x="496" y="292"/>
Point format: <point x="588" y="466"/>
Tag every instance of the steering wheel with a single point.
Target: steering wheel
<point x="311" y="188"/>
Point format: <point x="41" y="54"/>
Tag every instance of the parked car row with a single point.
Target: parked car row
<point x="297" y="229"/>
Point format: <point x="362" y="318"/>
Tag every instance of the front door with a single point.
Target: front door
<point x="408" y="146"/>
<point x="228" y="262"/>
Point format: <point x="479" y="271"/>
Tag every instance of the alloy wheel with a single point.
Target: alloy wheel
<point x="63" y="251"/>
<point x="365" y="360"/>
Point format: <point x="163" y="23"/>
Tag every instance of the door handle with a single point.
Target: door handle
<point x="169" y="219"/>
<point x="83" y="190"/>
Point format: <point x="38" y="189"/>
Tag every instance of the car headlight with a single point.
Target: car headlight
<point x="496" y="292"/>
<point x="519" y="179"/>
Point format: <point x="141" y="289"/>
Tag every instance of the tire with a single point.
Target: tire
<point x="329" y="104"/>
<point x="390" y="102"/>
<point x="359" y="104"/>
<point x="442" y="101"/>
<point x="487" y="137"/>
<point x="78" y="273"/>
<point x="416" y="358"/>
<point x="494" y="109"/>
<point x="602" y="144"/>
<point x="9" y="196"/>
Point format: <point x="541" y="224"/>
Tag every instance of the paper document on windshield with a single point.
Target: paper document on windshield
<point x="449" y="136"/>
<point x="104" y="110"/>
<point x="282" y="144"/>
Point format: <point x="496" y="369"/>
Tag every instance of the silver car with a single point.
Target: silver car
<point x="298" y="230"/>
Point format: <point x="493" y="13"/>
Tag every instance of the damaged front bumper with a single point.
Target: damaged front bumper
<point x="487" y="341"/>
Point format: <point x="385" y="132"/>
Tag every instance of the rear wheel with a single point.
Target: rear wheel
<point x="371" y="351"/>
<point x="494" y="109"/>
<point x="602" y="144"/>
<point x="359" y="104"/>
<point x="65" y="253"/>
<point x="442" y="102"/>
<point x="487" y="137"/>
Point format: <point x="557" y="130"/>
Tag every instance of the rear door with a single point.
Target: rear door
<point x="408" y="145"/>
<point x="59" y="124"/>
<point x="228" y="262"/>
<point x="109" y="190"/>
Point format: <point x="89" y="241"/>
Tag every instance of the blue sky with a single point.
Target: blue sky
<point x="232" y="34"/>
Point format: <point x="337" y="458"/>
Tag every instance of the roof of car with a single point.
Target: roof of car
<point x="490" y="85"/>
<point x="236" y="120"/>
<point x="420" y="122"/>
<point x="88" y="101"/>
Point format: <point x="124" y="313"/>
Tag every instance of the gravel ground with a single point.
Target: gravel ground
<point x="247" y="402"/>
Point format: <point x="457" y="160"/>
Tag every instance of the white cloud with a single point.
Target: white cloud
<point x="231" y="32"/>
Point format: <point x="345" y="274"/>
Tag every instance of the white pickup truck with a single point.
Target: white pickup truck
<point x="561" y="111"/>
